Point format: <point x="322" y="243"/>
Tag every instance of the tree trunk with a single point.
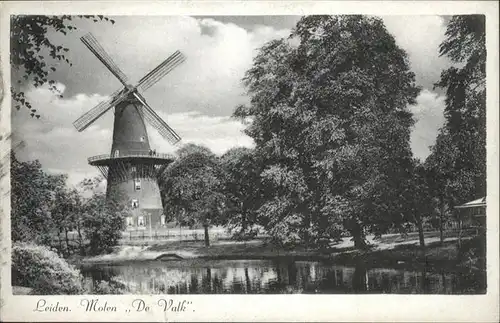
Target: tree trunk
<point x="307" y="225"/>
<point x="60" y="240"/>
<point x="459" y="240"/>
<point x="357" y="235"/>
<point x="80" y="239"/>
<point x="359" y="242"/>
<point x="441" y="222"/>
<point x="207" y="238"/>
<point x="243" y="221"/>
<point x="67" y="240"/>
<point x="421" y="238"/>
<point x="244" y="227"/>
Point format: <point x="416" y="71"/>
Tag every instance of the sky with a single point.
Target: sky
<point x="198" y="98"/>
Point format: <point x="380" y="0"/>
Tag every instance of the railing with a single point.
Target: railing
<point x="132" y="154"/>
<point x="191" y="235"/>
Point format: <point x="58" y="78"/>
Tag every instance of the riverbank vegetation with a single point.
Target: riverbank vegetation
<point x="329" y="113"/>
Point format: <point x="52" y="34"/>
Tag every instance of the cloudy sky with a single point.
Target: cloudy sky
<point x="198" y="97"/>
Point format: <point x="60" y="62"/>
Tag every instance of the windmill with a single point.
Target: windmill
<point x="131" y="167"/>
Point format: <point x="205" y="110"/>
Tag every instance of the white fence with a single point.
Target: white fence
<point x="174" y="234"/>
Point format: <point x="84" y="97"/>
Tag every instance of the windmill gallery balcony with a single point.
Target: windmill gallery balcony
<point x="151" y="157"/>
<point x="130" y="164"/>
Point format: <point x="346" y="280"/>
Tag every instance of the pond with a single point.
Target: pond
<point x="276" y="277"/>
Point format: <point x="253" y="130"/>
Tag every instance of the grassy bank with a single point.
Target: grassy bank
<point x="405" y="255"/>
<point x="388" y="251"/>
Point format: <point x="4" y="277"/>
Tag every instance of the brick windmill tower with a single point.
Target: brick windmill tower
<point x="131" y="166"/>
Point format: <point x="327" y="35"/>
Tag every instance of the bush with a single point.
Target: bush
<point x="43" y="270"/>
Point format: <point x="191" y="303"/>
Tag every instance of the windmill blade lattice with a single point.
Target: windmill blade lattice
<point x="119" y="96"/>
<point x="161" y="70"/>
<point x="157" y="122"/>
<point x="93" y="45"/>
<point x="93" y="114"/>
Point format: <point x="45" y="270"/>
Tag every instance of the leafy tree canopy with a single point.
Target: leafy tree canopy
<point x="35" y="56"/>
<point x="458" y="158"/>
<point x="330" y="118"/>
<point x="241" y="185"/>
<point x="33" y="197"/>
<point x="191" y="186"/>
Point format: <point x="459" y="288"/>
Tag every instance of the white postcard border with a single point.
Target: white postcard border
<point x="265" y="307"/>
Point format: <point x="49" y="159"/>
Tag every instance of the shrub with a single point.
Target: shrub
<point x="43" y="270"/>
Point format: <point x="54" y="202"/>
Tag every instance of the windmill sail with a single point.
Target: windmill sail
<point x="91" y="42"/>
<point x="157" y="122"/>
<point x="161" y="70"/>
<point x="92" y="115"/>
<point x="119" y="96"/>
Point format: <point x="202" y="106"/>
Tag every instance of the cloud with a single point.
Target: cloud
<point x="428" y="114"/>
<point x="420" y="37"/>
<point x="198" y="97"/>
<point x="62" y="149"/>
<point x="195" y="99"/>
<point x="209" y="81"/>
<point x="217" y="133"/>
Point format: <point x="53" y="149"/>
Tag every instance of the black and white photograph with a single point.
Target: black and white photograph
<point x="240" y="154"/>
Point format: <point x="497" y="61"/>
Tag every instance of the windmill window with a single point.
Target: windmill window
<point x="130" y="221"/>
<point x="142" y="139"/>
<point x="137" y="184"/>
<point x="140" y="221"/>
<point x="117" y="153"/>
<point x="162" y="219"/>
<point x="135" y="204"/>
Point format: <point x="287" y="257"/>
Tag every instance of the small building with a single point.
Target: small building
<point x="472" y="215"/>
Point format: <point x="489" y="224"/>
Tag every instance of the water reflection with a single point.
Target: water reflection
<point x="276" y="277"/>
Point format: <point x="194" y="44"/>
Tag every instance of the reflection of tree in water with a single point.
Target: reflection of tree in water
<point x="470" y="282"/>
<point x="360" y="279"/>
<point x="97" y="273"/>
<point x="424" y="283"/>
<point x="247" y="282"/>
<point x="218" y="284"/>
<point x="279" y="277"/>
<point x="194" y="284"/>
<point x="206" y="281"/>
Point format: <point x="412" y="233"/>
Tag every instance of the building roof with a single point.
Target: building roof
<point x="476" y="203"/>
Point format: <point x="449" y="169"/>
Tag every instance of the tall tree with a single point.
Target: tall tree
<point x="66" y="215"/>
<point x="191" y="187"/>
<point x="33" y="198"/>
<point x="330" y="119"/>
<point x="458" y="158"/>
<point x="419" y="204"/>
<point x="242" y="189"/>
<point x="34" y="55"/>
<point x="103" y="220"/>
